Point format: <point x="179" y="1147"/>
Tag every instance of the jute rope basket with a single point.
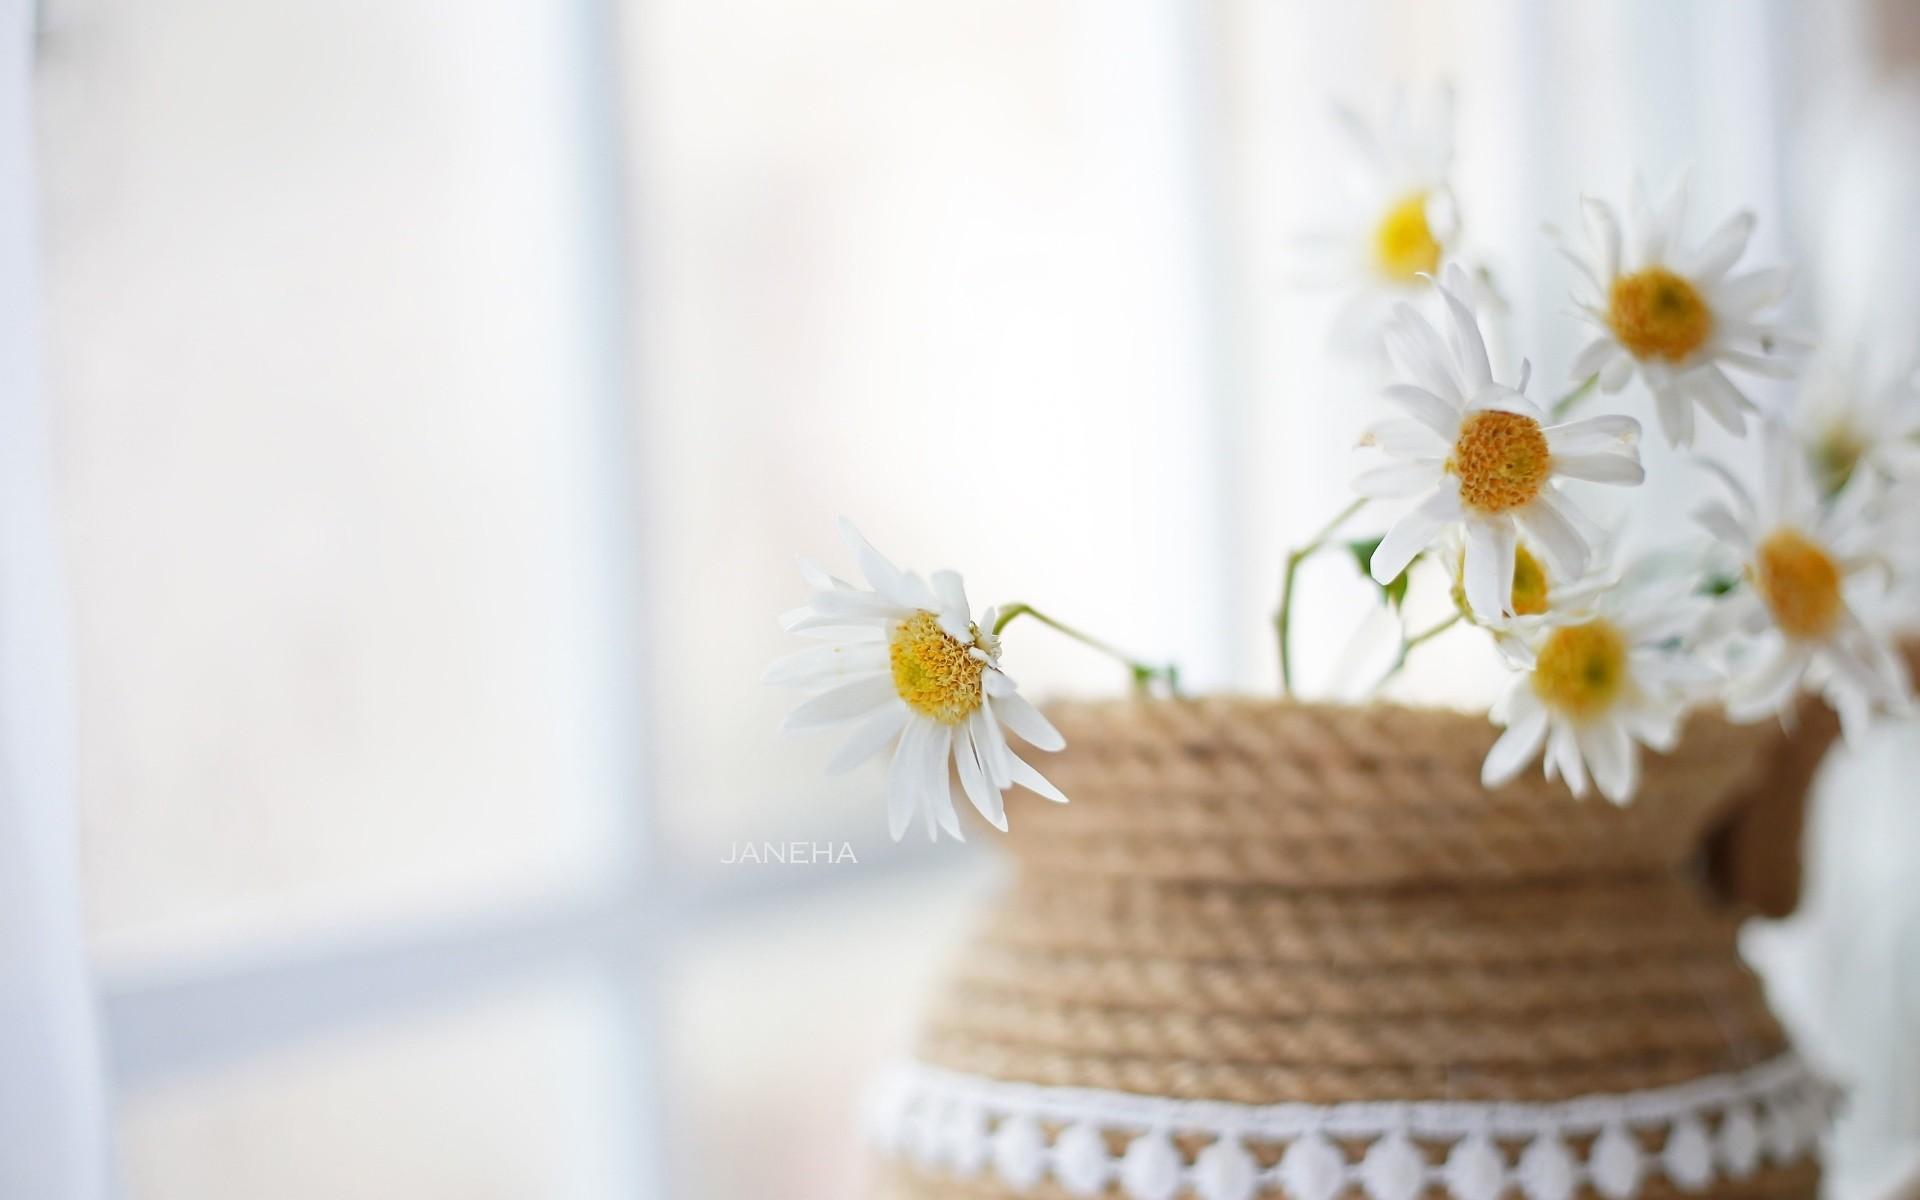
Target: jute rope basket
<point x="1258" y="920"/>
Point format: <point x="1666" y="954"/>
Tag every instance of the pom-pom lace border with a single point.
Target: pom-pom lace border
<point x="1085" y="1140"/>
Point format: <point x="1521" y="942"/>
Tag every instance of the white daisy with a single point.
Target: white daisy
<point x="1847" y="416"/>
<point x="1675" y="313"/>
<point x="1396" y="221"/>
<point x="1595" y="685"/>
<point x="1809" y="570"/>
<point x="1539" y="593"/>
<point x="908" y="662"/>
<point x="1484" y="460"/>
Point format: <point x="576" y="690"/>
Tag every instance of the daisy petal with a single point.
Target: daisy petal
<point x="869" y="738"/>
<point x="1766" y="690"/>
<point x="1784" y="483"/>
<point x="1616" y="372"/>
<point x="1717" y="520"/>
<point x="1724" y="402"/>
<point x="936" y="753"/>
<point x="1032" y="780"/>
<point x="1755" y="364"/>
<point x="981" y="793"/>
<point x="1515" y="748"/>
<point x="1600" y="468"/>
<point x="843" y="703"/>
<point x="1592" y="357"/>
<point x="818" y="577"/>
<point x="1422" y="354"/>
<point x="1488" y="569"/>
<point x="1406" y="439"/>
<point x="880" y="573"/>
<point x="849" y="605"/>
<point x="1742" y="295"/>
<point x="951" y="591"/>
<point x="1673" y="215"/>
<point x="1495" y="398"/>
<point x="1721" y="250"/>
<point x="1546" y="522"/>
<point x="1609" y="756"/>
<point x="1397" y="480"/>
<point x="1742" y="498"/>
<point x="1604" y="227"/>
<point x="817" y="665"/>
<point x="1655" y="727"/>
<point x="1413" y="533"/>
<point x="1593" y="435"/>
<point x="1563" y="752"/>
<point x="1739" y="612"/>
<point x="903" y="780"/>
<point x="1430" y="410"/>
<point x="1026" y="720"/>
<point x="1675" y="410"/>
<point x="992" y="745"/>
<point x="1469" y="347"/>
<point x="803" y="623"/>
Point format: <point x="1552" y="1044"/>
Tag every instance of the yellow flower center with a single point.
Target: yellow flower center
<point x="1581" y="669"/>
<point x="933" y="671"/>
<point x="1658" y="314"/>
<point x="1835" y="454"/>
<point x="1799" y="582"/>
<point x="1501" y="459"/>
<point x="1529" y="584"/>
<point x="1530" y="592"/>
<point x="1403" y="244"/>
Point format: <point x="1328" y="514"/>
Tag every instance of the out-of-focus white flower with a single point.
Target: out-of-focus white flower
<point x="1809" y="572"/>
<point x="909" y="663"/>
<point x="1483" y="460"/>
<point x="1676" y="313"/>
<point x="1595" y="684"/>
<point x="1396" y="220"/>
<point x="1847" y="417"/>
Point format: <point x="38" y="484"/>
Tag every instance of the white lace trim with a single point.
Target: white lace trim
<point x="1723" y="1126"/>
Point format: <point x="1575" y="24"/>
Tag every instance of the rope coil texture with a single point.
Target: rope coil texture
<point x="1263" y="903"/>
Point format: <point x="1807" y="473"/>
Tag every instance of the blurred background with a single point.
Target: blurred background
<point x="436" y="396"/>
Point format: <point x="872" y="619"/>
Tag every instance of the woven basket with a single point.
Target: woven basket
<point x="1259" y="920"/>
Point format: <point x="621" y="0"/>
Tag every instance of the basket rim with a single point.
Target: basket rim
<point x="1241" y="787"/>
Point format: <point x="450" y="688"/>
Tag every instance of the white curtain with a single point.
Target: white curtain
<point x="51" y="1127"/>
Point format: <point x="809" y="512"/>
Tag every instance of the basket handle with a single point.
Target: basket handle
<point x="1753" y="857"/>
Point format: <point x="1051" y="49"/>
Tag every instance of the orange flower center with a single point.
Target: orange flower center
<point x="1658" y="314"/>
<point x="1501" y="459"/>
<point x="1799" y="582"/>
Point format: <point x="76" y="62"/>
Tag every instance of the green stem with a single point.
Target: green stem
<point x="1566" y="403"/>
<point x="1407" y="645"/>
<point x="1143" y="673"/>
<point x="1283" y="616"/>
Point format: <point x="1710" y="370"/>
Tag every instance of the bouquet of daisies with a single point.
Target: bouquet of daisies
<point x="1606" y="656"/>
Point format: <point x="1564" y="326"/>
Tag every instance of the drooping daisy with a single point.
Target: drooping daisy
<point x="1594" y="685"/>
<point x="909" y="663"/>
<point x="1676" y="314"/>
<point x="1809" y="572"/>
<point x="1847" y="416"/>
<point x="1396" y="221"/>
<point x="1484" y="460"/>
<point x="1538" y="591"/>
